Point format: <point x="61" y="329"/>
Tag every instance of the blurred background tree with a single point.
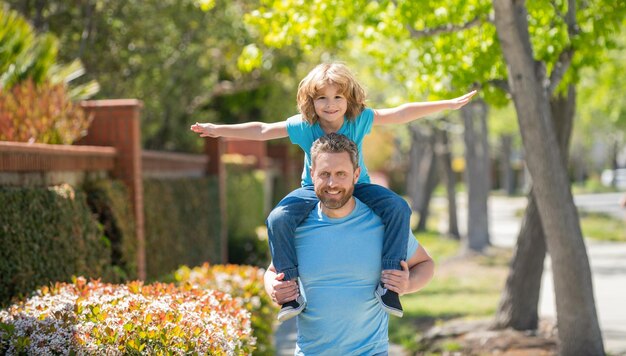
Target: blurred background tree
<point x="179" y="57"/>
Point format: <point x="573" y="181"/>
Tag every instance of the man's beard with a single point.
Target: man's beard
<point x="335" y="203"/>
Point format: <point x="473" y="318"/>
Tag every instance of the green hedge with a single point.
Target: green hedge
<point x="109" y="200"/>
<point x="48" y="235"/>
<point x="182" y="223"/>
<point x="246" y="219"/>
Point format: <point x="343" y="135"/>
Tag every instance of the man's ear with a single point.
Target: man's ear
<point x="357" y="173"/>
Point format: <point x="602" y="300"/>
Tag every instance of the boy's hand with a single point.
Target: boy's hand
<point x="205" y="130"/>
<point x="284" y="291"/>
<point x="397" y="281"/>
<point x="459" y="102"/>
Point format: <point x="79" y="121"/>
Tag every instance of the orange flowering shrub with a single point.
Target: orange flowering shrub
<point x="42" y="113"/>
<point x="244" y="284"/>
<point x="95" y="319"/>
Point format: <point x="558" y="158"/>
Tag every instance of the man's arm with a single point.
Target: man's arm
<point x="415" y="274"/>
<point x="280" y="291"/>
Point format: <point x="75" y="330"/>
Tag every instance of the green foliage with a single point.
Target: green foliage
<point x="439" y="48"/>
<point x="109" y="201"/>
<point x="48" y="235"/>
<point x="40" y="113"/>
<point x="26" y="54"/>
<point x="246" y="233"/>
<point x="602" y="227"/>
<point x="180" y="57"/>
<point x="182" y="223"/>
<point x="23" y="54"/>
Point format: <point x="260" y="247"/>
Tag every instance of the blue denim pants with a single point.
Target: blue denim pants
<point x="290" y="212"/>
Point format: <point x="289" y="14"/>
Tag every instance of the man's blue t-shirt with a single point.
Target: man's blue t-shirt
<point x="339" y="261"/>
<point x="304" y="134"/>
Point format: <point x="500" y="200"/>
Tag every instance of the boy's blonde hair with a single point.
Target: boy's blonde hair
<point x="330" y="74"/>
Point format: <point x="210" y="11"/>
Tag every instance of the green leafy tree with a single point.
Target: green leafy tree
<point x="602" y="106"/>
<point x="181" y="58"/>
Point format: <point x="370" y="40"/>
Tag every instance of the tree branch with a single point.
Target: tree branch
<point x="500" y="83"/>
<point x="560" y="68"/>
<point x="565" y="58"/>
<point x="449" y="28"/>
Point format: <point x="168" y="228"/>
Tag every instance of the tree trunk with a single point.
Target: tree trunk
<point x="520" y="298"/>
<point x="442" y="149"/>
<point x="507" y="180"/>
<point x="477" y="174"/>
<point x="578" y="329"/>
<point x="428" y="169"/>
<point x="416" y="154"/>
<point x="518" y="307"/>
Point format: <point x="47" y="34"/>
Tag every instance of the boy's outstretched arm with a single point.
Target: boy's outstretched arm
<point x="257" y="131"/>
<point x="412" y="111"/>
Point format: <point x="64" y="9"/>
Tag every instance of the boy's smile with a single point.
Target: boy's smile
<point x="330" y="107"/>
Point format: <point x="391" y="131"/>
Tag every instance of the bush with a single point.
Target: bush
<point x="48" y="235"/>
<point x="95" y="318"/>
<point x="244" y="284"/>
<point x="182" y="223"/>
<point x="246" y="216"/>
<point x="40" y="113"/>
<point x="109" y="201"/>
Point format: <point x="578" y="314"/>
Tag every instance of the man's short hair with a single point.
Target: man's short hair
<point x="335" y="143"/>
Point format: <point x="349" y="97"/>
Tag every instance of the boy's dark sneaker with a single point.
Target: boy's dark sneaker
<point x="389" y="300"/>
<point x="291" y="309"/>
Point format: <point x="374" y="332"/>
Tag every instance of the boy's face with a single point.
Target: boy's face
<point x="334" y="178"/>
<point x="330" y="104"/>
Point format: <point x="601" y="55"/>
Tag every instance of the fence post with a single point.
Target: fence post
<point x="116" y="123"/>
<point x="214" y="148"/>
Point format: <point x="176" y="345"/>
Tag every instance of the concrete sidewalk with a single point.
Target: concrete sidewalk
<point x="607" y="260"/>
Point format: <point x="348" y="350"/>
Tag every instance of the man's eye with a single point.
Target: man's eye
<point x="341" y="174"/>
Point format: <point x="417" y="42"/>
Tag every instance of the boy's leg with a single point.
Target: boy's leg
<point x="395" y="214"/>
<point x="281" y="226"/>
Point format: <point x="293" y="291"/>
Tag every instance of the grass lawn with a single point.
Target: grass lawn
<point x="599" y="226"/>
<point x="463" y="287"/>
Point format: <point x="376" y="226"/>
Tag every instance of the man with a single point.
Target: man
<point x="339" y="247"/>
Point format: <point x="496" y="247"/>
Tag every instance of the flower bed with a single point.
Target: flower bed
<point x="244" y="284"/>
<point x="97" y="318"/>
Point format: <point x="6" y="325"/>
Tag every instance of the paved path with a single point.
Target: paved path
<point x="608" y="265"/>
<point x="607" y="260"/>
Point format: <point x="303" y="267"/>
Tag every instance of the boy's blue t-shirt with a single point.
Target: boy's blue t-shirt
<point x="339" y="261"/>
<point x="304" y="134"/>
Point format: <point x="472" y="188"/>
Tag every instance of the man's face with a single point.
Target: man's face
<point x="334" y="178"/>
